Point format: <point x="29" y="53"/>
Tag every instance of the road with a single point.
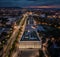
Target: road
<point x="15" y="52"/>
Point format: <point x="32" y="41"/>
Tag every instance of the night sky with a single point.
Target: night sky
<point x="24" y="3"/>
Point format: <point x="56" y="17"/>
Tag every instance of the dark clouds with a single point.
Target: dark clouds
<point x="18" y="3"/>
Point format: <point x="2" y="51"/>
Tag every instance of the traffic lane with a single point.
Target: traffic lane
<point x="17" y="51"/>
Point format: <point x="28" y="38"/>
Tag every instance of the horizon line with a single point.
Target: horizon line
<point x="48" y="6"/>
